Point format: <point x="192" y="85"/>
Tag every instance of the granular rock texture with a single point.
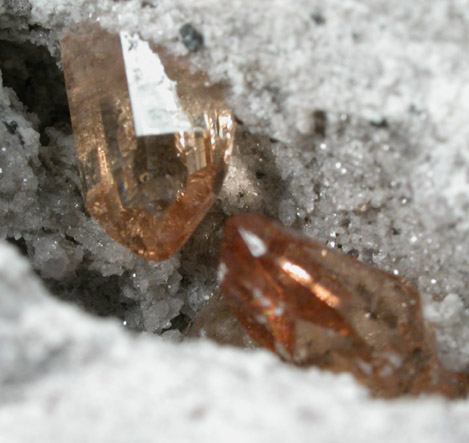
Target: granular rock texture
<point x="67" y="377"/>
<point x="352" y="128"/>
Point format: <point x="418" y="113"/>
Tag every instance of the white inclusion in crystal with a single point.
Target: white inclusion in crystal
<point x="257" y="293"/>
<point x="365" y="367"/>
<point x="386" y="371"/>
<point x="259" y="296"/>
<point x="222" y="270"/>
<point x="155" y="103"/>
<point x="255" y="245"/>
<point x="393" y="358"/>
<point x="279" y="310"/>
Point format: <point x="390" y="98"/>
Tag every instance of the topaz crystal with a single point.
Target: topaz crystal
<point x="317" y="306"/>
<point x="153" y="138"/>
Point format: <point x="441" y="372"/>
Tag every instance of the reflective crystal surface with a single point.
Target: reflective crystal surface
<point x="317" y="306"/>
<point x="152" y="139"/>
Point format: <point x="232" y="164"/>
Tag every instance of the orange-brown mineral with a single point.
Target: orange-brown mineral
<point x="152" y="139"/>
<point x="316" y="306"/>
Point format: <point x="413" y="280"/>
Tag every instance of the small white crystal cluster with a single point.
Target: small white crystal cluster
<point x="354" y="130"/>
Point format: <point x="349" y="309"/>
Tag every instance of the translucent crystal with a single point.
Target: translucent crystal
<point x="152" y="139"/>
<point x="215" y="321"/>
<point x="317" y="306"/>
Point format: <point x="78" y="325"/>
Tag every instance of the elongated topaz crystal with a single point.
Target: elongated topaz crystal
<point x="152" y="139"/>
<point x="317" y="306"/>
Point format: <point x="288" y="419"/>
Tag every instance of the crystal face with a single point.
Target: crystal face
<point x="316" y="306"/>
<point x="152" y="139"/>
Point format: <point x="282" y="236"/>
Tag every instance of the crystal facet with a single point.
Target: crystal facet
<point x="152" y="138"/>
<point x="317" y="306"/>
<point x="216" y="322"/>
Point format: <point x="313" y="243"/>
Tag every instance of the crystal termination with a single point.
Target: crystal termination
<point x="317" y="306"/>
<point x="152" y="145"/>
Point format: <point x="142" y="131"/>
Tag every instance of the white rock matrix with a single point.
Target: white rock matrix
<point x="353" y="128"/>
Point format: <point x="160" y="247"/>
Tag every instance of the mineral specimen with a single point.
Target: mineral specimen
<point x="215" y="321"/>
<point x="317" y="306"/>
<point x="152" y="139"/>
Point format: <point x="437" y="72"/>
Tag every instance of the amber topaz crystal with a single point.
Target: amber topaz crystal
<point x="152" y="139"/>
<point x="317" y="306"/>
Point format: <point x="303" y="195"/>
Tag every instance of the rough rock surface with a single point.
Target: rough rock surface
<point x="67" y="377"/>
<point x="354" y="130"/>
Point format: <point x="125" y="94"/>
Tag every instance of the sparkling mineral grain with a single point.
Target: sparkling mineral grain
<point x="316" y="306"/>
<point x="152" y="139"/>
